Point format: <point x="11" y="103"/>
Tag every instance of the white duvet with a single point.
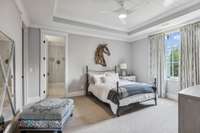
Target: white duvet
<point x="101" y="92"/>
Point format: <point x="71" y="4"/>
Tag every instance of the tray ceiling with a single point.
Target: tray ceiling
<point x="90" y="11"/>
<point x="96" y="14"/>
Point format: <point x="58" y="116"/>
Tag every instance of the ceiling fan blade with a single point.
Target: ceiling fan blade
<point x="130" y="11"/>
<point x="119" y="10"/>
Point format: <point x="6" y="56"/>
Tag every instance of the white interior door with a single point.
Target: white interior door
<point x="44" y="69"/>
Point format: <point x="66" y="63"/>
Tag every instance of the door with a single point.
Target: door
<point x="44" y="69"/>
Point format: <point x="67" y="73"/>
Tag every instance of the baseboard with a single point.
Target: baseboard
<point x="33" y="100"/>
<point x="172" y="96"/>
<point x="76" y="93"/>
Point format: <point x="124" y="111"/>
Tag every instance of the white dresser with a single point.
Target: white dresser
<point x="189" y="110"/>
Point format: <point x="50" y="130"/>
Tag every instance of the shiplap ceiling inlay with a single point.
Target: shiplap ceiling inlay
<point x="97" y="14"/>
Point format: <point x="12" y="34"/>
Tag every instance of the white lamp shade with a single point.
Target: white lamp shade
<point x="123" y="66"/>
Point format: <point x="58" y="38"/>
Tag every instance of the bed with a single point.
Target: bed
<point x="116" y="92"/>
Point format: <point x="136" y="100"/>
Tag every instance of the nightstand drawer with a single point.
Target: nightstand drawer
<point x="130" y="78"/>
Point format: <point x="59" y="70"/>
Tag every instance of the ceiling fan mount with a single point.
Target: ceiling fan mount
<point x="122" y="12"/>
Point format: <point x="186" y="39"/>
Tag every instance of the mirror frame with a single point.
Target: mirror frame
<point x="12" y="76"/>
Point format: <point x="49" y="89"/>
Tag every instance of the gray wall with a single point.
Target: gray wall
<point x="81" y="53"/>
<point x="140" y="59"/>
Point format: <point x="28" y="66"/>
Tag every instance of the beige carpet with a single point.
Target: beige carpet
<point x="91" y="116"/>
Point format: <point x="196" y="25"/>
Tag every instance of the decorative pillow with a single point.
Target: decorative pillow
<point x="91" y="77"/>
<point x="96" y="78"/>
<point x="115" y="76"/>
<point x="111" y="78"/>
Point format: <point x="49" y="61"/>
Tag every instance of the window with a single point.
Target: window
<point x="172" y="51"/>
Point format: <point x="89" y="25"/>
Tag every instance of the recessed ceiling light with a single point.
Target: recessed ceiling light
<point x="122" y="16"/>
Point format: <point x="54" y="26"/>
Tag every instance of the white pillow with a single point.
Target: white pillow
<point x="98" y="78"/>
<point x="111" y="78"/>
<point x="91" y="77"/>
<point x="115" y="76"/>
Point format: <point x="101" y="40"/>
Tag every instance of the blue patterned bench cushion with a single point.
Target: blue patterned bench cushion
<point x="48" y="113"/>
<point x="40" y="124"/>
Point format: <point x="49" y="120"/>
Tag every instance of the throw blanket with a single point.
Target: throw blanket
<point x="129" y="90"/>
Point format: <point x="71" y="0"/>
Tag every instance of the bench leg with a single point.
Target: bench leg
<point x="155" y="101"/>
<point x="23" y="131"/>
<point x="71" y="114"/>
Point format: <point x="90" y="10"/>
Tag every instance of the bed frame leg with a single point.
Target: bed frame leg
<point x="156" y="102"/>
<point x="118" y="114"/>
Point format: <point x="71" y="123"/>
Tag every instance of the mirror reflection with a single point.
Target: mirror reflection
<point x="7" y="84"/>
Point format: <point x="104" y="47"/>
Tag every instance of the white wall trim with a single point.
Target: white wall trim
<point x="22" y="11"/>
<point x="76" y="93"/>
<point x="66" y="36"/>
<point x="172" y="96"/>
<point x="65" y="28"/>
<point x="32" y="100"/>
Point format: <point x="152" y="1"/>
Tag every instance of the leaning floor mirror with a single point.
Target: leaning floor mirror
<point x="7" y="80"/>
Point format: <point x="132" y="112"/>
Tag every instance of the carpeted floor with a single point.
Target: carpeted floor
<point x="91" y="116"/>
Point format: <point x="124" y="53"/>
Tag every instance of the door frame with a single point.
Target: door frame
<point x="66" y="36"/>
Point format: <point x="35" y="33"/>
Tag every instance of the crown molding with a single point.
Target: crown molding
<point x="170" y="16"/>
<point x="87" y="25"/>
<point x="65" y="28"/>
<point x="82" y="22"/>
<point x="156" y="25"/>
<point x="167" y="26"/>
<point x="21" y="9"/>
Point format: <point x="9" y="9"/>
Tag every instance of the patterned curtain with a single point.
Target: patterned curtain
<point x="157" y="62"/>
<point x="190" y="56"/>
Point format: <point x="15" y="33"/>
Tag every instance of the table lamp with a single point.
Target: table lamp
<point x="123" y="68"/>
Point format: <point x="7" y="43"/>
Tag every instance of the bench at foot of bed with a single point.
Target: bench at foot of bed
<point x="54" y="131"/>
<point x="47" y="115"/>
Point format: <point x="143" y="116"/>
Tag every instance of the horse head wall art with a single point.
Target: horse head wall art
<point x="99" y="54"/>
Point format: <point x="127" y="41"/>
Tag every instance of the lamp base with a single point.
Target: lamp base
<point x="123" y="72"/>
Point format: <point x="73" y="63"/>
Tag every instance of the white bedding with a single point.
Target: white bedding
<point x="101" y="92"/>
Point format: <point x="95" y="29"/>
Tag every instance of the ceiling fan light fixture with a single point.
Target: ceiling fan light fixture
<point x="122" y="16"/>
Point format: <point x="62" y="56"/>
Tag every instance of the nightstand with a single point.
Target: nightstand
<point x="130" y="78"/>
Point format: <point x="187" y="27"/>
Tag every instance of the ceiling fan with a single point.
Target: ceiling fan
<point x="121" y="12"/>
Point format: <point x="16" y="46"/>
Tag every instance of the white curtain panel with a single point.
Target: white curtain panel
<point x="190" y="56"/>
<point x="157" y="62"/>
